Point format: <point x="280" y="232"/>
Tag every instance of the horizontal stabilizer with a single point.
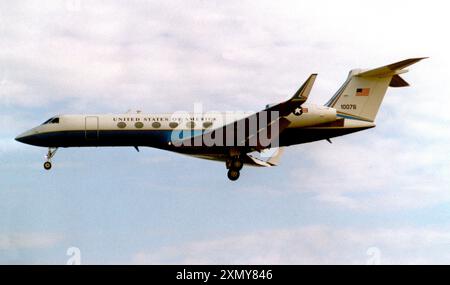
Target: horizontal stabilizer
<point x="397" y="81"/>
<point x="391" y="69"/>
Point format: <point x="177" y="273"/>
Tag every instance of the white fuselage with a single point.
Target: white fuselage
<point x="160" y="130"/>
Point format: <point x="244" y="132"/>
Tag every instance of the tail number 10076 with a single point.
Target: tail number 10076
<point x="348" y="106"/>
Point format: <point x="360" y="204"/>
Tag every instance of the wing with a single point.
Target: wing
<point x="261" y="129"/>
<point x="251" y="159"/>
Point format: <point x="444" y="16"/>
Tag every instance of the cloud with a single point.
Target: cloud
<point x="374" y="172"/>
<point x="80" y="56"/>
<point x="10" y="127"/>
<point x="18" y="241"/>
<point x="311" y="245"/>
<point x="109" y="56"/>
<point x="164" y="56"/>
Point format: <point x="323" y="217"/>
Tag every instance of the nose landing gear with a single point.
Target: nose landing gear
<point x="51" y="152"/>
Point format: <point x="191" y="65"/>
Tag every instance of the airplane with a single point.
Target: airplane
<point x="236" y="138"/>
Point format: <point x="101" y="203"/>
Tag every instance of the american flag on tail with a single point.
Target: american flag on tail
<point x="362" y="92"/>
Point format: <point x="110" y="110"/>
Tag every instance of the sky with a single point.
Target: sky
<point x="381" y="196"/>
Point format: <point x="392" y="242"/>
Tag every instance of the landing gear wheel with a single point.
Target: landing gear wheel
<point x="233" y="174"/>
<point x="237" y="164"/>
<point x="51" y="152"/>
<point x="47" y="165"/>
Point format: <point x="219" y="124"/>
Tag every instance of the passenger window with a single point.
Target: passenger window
<point x="207" y="125"/>
<point x="190" y="125"/>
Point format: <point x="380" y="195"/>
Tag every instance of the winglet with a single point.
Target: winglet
<point x="275" y="159"/>
<point x="303" y="92"/>
<point x="300" y="97"/>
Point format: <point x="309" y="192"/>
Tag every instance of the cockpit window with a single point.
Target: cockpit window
<point x="46" y="122"/>
<point x="54" y="120"/>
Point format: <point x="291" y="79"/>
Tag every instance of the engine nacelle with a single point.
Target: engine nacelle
<point x="311" y="115"/>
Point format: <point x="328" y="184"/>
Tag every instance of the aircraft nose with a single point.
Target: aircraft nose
<point x="21" y="138"/>
<point x="24" y="137"/>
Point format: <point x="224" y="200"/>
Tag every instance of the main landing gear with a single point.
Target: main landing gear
<point x="234" y="165"/>
<point x="51" y="152"/>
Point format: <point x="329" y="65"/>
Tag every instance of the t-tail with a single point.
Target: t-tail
<point x="361" y="95"/>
